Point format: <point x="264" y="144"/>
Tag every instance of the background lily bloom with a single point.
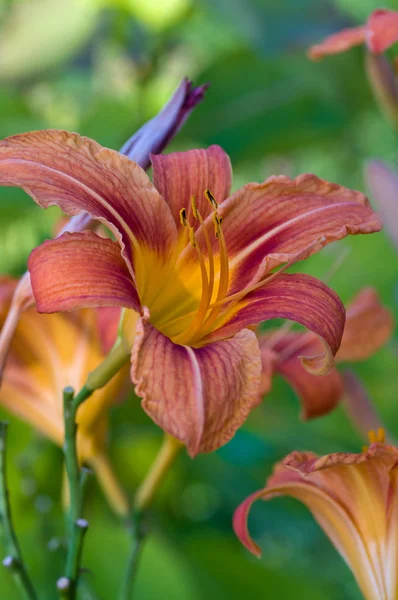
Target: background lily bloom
<point x="193" y="264"/>
<point x="379" y="33"/>
<point x="368" y="326"/>
<point x="354" y="499"/>
<point x="50" y="352"/>
<point x="152" y="137"/>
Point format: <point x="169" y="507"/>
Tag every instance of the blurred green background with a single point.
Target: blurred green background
<point x="102" y="68"/>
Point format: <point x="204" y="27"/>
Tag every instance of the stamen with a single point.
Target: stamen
<point x="183" y="217"/>
<point x="209" y="196"/>
<point x="372" y="436"/>
<point x="192" y="238"/>
<point x="194" y="206"/>
<point x="381" y="435"/>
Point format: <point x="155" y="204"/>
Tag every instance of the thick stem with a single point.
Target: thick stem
<point x="13" y="561"/>
<point x="75" y="524"/>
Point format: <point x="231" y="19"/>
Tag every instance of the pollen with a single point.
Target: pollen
<point x="183" y="217"/>
<point x="377" y="437"/>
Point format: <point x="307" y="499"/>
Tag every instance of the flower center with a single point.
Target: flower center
<point x="186" y="296"/>
<point x="206" y="315"/>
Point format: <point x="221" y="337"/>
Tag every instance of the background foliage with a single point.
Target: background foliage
<point x="103" y="67"/>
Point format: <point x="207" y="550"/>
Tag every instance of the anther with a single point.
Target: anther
<point x="183" y="217"/>
<point x="209" y="196"/>
<point x="217" y="224"/>
<point x="192" y="238"/>
<point x="381" y="435"/>
<point x="372" y="436"/>
<point x="195" y="211"/>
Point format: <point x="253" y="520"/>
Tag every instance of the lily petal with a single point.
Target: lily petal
<point x="382" y="30"/>
<point x="268" y="224"/>
<point x="299" y="298"/>
<point x="78" y="270"/>
<point x="77" y="174"/>
<point x="369" y="325"/>
<point x="338" y="42"/>
<point x="318" y="395"/>
<point x="200" y="396"/>
<point x="181" y="175"/>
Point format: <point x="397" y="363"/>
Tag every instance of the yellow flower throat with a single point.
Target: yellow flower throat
<point x="186" y="296"/>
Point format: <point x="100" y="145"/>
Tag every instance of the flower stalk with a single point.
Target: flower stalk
<point x="163" y="461"/>
<point x="169" y="450"/>
<point x="13" y="561"/>
<point x="76" y="525"/>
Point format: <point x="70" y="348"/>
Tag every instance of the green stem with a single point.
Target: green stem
<point x="145" y="495"/>
<point x="137" y="539"/>
<point x="13" y="561"/>
<point x="76" y="526"/>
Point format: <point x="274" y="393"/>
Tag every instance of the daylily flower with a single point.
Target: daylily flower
<point x="354" y="499"/>
<point x="368" y="326"/>
<point x="379" y="33"/>
<point x="152" y="137"/>
<point x="50" y="352"/>
<point x="192" y="264"/>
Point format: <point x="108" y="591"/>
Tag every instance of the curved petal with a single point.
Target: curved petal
<point x="181" y="175"/>
<point x="268" y="224"/>
<point x="77" y="174"/>
<point x="332" y="516"/>
<point x="368" y="326"/>
<point x="78" y="270"/>
<point x="382" y="30"/>
<point x="279" y="220"/>
<point x="338" y="42"/>
<point x="318" y="395"/>
<point x="299" y="298"/>
<point x="200" y="396"/>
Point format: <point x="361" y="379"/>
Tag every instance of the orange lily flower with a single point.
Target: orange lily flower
<point x="354" y="499"/>
<point x="194" y="266"/>
<point x="379" y="33"/>
<point x="50" y="352"/>
<point x="152" y="137"/>
<point x="368" y="326"/>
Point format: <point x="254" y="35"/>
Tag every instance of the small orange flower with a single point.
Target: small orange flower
<point x="50" y="352"/>
<point x="354" y="498"/>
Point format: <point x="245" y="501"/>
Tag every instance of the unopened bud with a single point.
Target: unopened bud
<point x="383" y="81"/>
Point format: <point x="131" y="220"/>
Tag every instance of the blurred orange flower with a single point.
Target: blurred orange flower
<point x="50" y="352"/>
<point x="354" y="499"/>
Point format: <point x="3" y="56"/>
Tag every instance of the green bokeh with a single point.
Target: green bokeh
<point x="102" y="67"/>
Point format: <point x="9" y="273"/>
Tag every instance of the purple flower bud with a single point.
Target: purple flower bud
<point x="152" y="137"/>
